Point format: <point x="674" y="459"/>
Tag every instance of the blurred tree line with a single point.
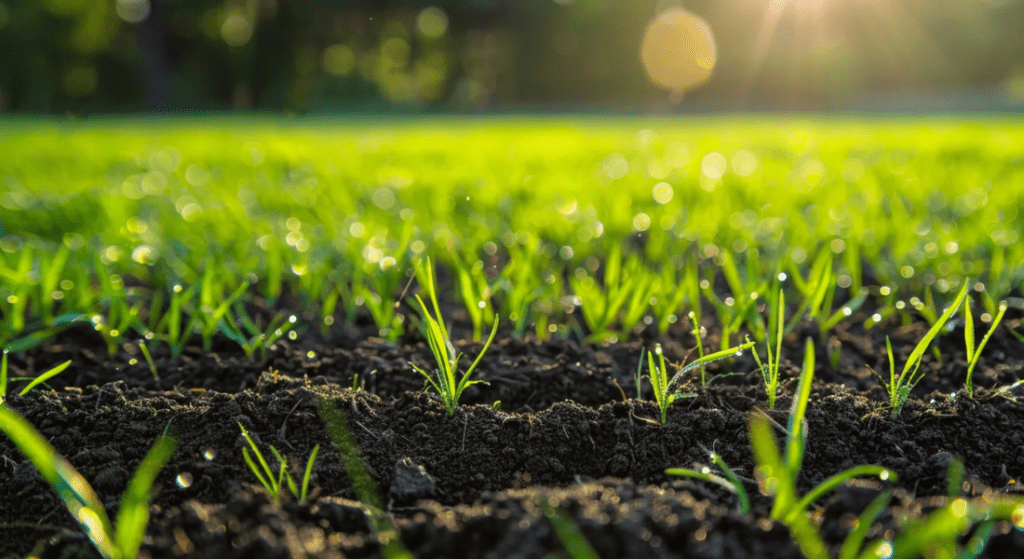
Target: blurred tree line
<point x="88" y="56"/>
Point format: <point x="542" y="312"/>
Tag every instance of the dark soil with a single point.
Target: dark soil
<point x="568" y="432"/>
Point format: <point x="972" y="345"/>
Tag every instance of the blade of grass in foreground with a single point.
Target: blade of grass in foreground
<point x="80" y="498"/>
<point x="351" y="460"/>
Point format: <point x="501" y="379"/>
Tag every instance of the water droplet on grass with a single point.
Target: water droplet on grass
<point x="209" y="454"/>
<point x="293" y="335"/>
<point x="184" y="480"/>
<point x="311" y="354"/>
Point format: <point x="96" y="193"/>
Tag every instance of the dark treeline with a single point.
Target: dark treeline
<point x="95" y="56"/>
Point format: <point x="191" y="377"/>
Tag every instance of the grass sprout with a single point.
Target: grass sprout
<point x="770" y="371"/>
<point x="444" y="381"/>
<point x="266" y="476"/>
<point x="82" y="502"/>
<point x="899" y="387"/>
<point x="664" y="388"/>
<point x="974" y="353"/>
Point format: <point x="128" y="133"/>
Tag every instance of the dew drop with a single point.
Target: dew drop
<point x="311" y="354"/>
<point x="133" y="361"/>
<point x="184" y="480"/>
<point x="293" y="335"/>
<point x="177" y="288"/>
<point x="209" y="454"/>
<point x="657" y="349"/>
<point x="884" y="475"/>
<point x="739" y="354"/>
<point x="481" y="304"/>
<point x="782" y="276"/>
<point x="876" y="317"/>
<point x="847" y="311"/>
<point x="885" y="290"/>
<point x="292" y="319"/>
<point x="884" y="551"/>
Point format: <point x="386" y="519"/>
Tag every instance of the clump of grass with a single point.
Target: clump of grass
<point x="899" y="387"/>
<point x="85" y="506"/>
<point x="266" y="476"/>
<point x="444" y="381"/>
<point x="665" y="391"/>
<point x="770" y="371"/>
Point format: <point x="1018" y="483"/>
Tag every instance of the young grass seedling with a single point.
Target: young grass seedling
<point x="770" y="373"/>
<point x="664" y="389"/>
<point x="266" y="476"/>
<point x="974" y="353"/>
<point x="899" y="387"/>
<point x="85" y="506"/>
<point x="443" y="381"/>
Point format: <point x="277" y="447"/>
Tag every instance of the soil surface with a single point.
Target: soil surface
<point x="568" y="439"/>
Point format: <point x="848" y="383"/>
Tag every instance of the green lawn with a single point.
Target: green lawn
<point x="587" y="226"/>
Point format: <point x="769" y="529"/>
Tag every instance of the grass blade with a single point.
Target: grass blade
<point x="82" y="502"/>
<point x="44" y="377"/>
<point x="133" y="513"/>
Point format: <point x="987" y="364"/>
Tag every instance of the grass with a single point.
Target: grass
<point x="449" y="388"/>
<point x="665" y="388"/>
<point x="79" y="497"/>
<point x="777" y="470"/>
<point x="899" y="387"/>
<point x="604" y="253"/>
<point x="597" y="230"/>
<point x="274" y="483"/>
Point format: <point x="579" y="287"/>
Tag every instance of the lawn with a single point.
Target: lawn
<point x="792" y="296"/>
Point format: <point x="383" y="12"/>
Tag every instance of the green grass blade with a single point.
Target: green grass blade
<point x="885" y="474"/>
<point x="364" y="486"/>
<point x="44" y="377"/>
<point x="3" y="376"/>
<point x="797" y="437"/>
<point x="494" y="330"/>
<point x="133" y="514"/>
<point x="854" y="540"/>
<point x="82" y="502"/>
<point x="703" y="476"/>
<point x="969" y="330"/>
<point x="717" y="356"/>
<point x="256" y="472"/>
<point x="283" y="475"/>
<point x="259" y="455"/>
<point x="308" y="473"/>
<point x="973" y="361"/>
<point x="568" y="533"/>
<point x="915" y="356"/>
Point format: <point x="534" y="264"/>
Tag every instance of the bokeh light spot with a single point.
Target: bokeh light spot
<point x="678" y="50"/>
<point x="338" y="60"/>
<point x="432" y="22"/>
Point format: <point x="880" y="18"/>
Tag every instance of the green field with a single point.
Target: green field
<point x="562" y="227"/>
